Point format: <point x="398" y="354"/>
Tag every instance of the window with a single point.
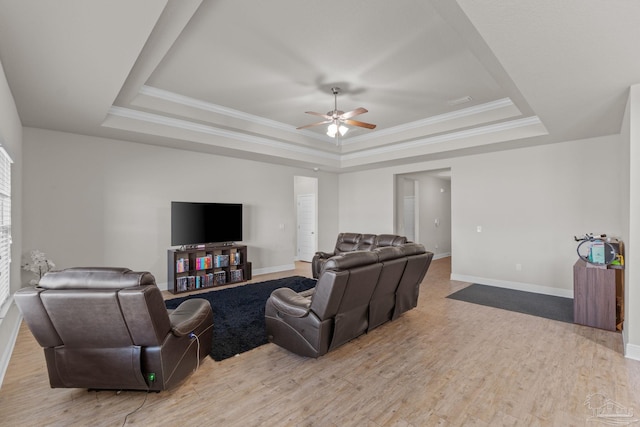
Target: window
<point x="5" y="225"/>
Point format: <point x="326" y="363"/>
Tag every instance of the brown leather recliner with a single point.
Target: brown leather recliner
<point x="349" y="242"/>
<point x="356" y="292"/>
<point x="108" y="328"/>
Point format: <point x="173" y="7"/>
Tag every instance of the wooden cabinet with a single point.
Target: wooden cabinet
<point x="598" y="296"/>
<point x="206" y="267"/>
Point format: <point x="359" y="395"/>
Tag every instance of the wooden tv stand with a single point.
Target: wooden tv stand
<point x="206" y="266"/>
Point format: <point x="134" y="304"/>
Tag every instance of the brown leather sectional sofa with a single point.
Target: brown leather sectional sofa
<point x="349" y="242"/>
<point x="356" y="292"/>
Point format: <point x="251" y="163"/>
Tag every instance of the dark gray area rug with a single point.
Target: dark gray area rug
<point x="238" y="313"/>
<point x="547" y="306"/>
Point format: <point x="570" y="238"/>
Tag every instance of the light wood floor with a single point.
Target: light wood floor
<point x="445" y="363"/>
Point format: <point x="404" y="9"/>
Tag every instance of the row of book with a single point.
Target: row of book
<point x="182" y="265"/>
<point x="226" y="260"/>
<point x="209" y="261"/>
<point x="235" y="258"/>
<point x="200" y="281"/>
<point x="204" y="262"/>
<point x="190" y="283"/>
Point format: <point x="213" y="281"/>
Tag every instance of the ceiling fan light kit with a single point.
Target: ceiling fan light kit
<point x="334" y="129"/>
<point x="337" y="119"/>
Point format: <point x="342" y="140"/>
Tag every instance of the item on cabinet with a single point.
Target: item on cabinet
<point x="203" y="267"/>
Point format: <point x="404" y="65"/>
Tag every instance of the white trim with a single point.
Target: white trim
<point x="274" y="269"/>
<point x="230" y="112"/>
<point x="442" y="255"/>
<point x="631" y="351"/>
<point x="7" y="348"/>
<point x="452" y="115"/>
<point x="527" y="287"/>
<point x="207" y="106"/>
<point x="210" y="130"/>
<point x="225" y="111"/>
<point x="482" y="130"/>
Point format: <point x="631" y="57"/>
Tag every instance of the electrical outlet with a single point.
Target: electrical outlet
<point x="518" y="267"/>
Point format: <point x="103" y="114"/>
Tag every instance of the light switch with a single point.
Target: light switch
<point x="479" y="229"/>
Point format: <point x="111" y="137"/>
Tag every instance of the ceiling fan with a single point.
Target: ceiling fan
<point x="337" y="119"/>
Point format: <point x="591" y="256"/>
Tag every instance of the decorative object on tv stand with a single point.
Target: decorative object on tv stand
<point x="39" y="265"/>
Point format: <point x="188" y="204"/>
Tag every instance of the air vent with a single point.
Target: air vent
<point x="459" y="101"/>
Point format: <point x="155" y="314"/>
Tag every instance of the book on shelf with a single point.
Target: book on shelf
<point x="188" y="283"/>
<point x="221" y="261"/>
<point x="182" y="265"/>
<point x="220" y="277"/>
<point x="235" y="258"/>
<point x="235" y="275"/>
<point x="204" y="262"/>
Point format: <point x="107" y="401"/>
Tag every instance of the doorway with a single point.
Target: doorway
<point x="306" y="200"/>
<point x="423" y="209"/>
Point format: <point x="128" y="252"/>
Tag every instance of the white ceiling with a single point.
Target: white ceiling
<point x="235" y="77"/>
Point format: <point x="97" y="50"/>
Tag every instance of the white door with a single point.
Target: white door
<point x="410" y="218"/>
<point x="306" y="227"/>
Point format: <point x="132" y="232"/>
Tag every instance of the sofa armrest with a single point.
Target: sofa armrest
<point x="289" y="302"/>
<point x="188" y="316"/>
<point x="308" y="293"/>
<point x="324" y="255"/>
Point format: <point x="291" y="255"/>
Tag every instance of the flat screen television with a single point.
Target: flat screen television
<point x="201" y="223"/>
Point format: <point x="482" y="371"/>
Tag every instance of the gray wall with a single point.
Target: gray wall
<point x="95" y="201"/>
<point x="529" y="202"/>
<point x="11" y="140"/>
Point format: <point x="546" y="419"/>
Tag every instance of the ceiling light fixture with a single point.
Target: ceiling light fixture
<point x="334" y="129"/>
<point x="337" y="119"/>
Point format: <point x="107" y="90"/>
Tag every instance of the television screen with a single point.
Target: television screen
<point x="199" y="223"/>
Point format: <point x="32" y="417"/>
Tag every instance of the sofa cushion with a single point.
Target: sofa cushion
<point x="347" y="242"/>
<point x="388" y="252"/>
<point x="367" y="242"/>
<point x="350" y="260"/>
<point x="389" y="240"/>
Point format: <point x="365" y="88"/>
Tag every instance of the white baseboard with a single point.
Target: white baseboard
<point x="9" y="328"/>
<point x="442" y="255"/>
<point x="527" y="287"/>
<point x="274" y="269"/>
<point x="631" y="351"/>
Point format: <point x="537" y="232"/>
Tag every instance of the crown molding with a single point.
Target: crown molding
<point x="210" y="130"/>
<point x="468" y="133"/>
<point x="429" y="121"/>
<point x="230" y="112"/>
<point x="225" y="111"/>
<point x="273" y="144"/>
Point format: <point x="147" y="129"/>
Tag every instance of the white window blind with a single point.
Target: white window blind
<point x="5" y="225"/>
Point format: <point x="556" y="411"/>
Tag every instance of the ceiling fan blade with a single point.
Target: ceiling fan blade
<point x="353" y="113"/>
<point x="361" y="124"/>
<point x="313" y="113"/>
<point x="315" y="124"/>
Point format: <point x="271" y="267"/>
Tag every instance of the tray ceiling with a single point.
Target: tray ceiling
<point x="235" y="78"/>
